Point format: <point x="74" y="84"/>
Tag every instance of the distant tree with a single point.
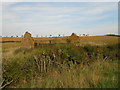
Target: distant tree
<point x="59" y="35"/>
<point x="83" y="34"/>
<point x="16" y="35"/>
<point x="50" y="35"/>
<point x="11" y="36"/>
<point x="36" y="35"/>
<point x="21" y="35"/>
<point x="111" y="35"/>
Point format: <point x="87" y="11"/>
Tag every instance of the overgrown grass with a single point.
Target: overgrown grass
<point x="100" y="74"/>
<point x="77" y="67"/>
<point x="22" y="50"/>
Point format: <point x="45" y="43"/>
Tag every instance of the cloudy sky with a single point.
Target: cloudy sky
<point x="43" y="18"/>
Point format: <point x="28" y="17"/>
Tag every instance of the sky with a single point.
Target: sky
<point x="64" y="18"/>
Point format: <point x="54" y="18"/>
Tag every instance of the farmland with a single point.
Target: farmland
<point x="92" y="62"/>
<point x="82" y="39"/>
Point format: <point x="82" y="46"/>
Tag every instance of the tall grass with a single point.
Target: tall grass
<point x="77" y="67"/>
<point x="100" y="74"/>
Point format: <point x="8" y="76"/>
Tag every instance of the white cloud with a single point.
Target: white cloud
<point x="99" y="29"/>
<point x="0" y="19"/>
<point x="45" y="18"/>
<point x="35" y="29"/>
<point x="100" y="9"/>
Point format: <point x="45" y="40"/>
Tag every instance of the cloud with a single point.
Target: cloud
<point x="99" y="29"/>
<point x="0" y="19"/>
<point x="98" y="8"/>
<point x="56" y="18"/>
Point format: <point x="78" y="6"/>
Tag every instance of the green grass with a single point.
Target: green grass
<point x="94" y="76"/>
<point x="79" y="67"/>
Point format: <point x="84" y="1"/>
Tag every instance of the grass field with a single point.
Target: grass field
<point x="93" y="40"/>
<point x="91" y="64"/>
<point x="99" y="40"/>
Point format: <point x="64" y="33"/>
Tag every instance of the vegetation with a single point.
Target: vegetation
<point x="113" y="35"/>
<point x="66" y="66"/>
<point x="91" y="40"/>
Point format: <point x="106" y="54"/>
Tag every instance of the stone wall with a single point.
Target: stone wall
<point x="74" y="38"/>
<point x="27" y="41"/>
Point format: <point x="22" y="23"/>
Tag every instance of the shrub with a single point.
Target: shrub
<point x="63" y="71"/>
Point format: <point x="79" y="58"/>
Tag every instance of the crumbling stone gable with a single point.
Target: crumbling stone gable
<point x="73" y="35"/>
<point x="27" y="41"/>
<point x="74" y="38"/>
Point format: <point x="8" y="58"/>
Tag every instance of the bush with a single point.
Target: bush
<point x="72" y="66"/>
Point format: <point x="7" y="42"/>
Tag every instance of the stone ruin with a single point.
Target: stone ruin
<point x="74" y="38"/>
<point x="73" y="35"/>
<point x="27" y="41"/>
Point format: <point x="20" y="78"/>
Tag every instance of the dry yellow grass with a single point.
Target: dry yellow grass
<point x="8" y="49"/>
<point x="10" y="45"/>
<point x="10" y="39"/>
<point x="93" y="40"/>
<point x="99" y="40"/>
